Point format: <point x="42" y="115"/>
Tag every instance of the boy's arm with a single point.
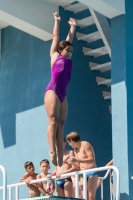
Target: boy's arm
<point x="40" y="186"/>
<point x="72" y="169"/>
<point x="110" y="163"/>
<point x="76" y="165"/>
<point x="25" y="178"/>
<point x="89" y="153"/>
<point x="70" y="35"/>
<point x="54" y="172"/>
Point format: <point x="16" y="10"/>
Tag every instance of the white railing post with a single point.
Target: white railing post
<point x="117" y="183"/>
<point x="4" y="181"/>
<point x="101" y="189"/>
<point x="110" y="187"/>
<point x="84" y="186"/>
<point x="17" y="193"/>
<point x="10" y="193"/>
<point x="76" y="184"/>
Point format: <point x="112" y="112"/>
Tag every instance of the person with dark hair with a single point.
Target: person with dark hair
<point x="45" y="160"/>
<point x="46" y="188"/>
<point x="55" y="95"/>
<point x="84" y="154"/>
<point x="30" y="175"/>
<point x="64" y="185"/>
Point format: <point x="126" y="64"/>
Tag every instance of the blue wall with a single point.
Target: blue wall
<point x="24" y="74"/>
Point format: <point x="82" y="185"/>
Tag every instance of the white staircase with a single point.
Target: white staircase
<point x="89" y="37"/>
<point x="102" y="68"/>
<point x="87" y="21"/>
<point x="78" y="7"/>
<point x="96" y="52"/>
<point x="92" y="37"/>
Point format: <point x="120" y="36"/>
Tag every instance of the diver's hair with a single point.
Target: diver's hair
<point x="26" y="164"/>
<point x="45" y="160"/>
<point x="73" y="136"/>
<point x="62" y="45"/>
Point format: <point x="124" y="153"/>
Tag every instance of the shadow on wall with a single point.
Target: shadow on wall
<point x="24" y="74"/>
<point x="124" y="196"/>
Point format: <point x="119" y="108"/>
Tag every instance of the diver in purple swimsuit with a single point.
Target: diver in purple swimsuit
<point x="60" y="76"/>
<point x="55" y="95"/>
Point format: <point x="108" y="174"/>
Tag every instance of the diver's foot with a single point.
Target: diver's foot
<point x="60" y="159"/>
<point x="53" y="157"/>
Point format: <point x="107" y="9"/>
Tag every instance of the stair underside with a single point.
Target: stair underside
<point x="100" y="67"/>
<point x="78" y="7"/>
<point x="97" y="52"/>
<point x="106" y="95"/>
<point x="103" y="81"/>
<point x="85" y="22"/>
<point x="90" y="37"/>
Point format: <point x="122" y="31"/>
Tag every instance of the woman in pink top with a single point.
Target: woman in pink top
<point x="55" y="94"/>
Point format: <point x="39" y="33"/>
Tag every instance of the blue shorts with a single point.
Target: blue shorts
<point x="61" y="182"/>
<point x="89" y="175"/>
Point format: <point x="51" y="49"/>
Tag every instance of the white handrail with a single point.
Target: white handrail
<point x="103" y="178"/>
<point x="77" y="178"/>
<point x="106" y="175"/>
<point x="4" y="181"/>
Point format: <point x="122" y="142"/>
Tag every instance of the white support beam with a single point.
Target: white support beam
<point x="60" y="2"/>
<point x="101" y="31"/>
<point x="24" y="26"/>
<point x="107" y="8"/>
<point x="33" y="17"/>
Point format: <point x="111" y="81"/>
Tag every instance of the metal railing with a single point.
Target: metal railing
<point x="76" y="174"/>
<point x="108" y="173"/>
<point x="4" y="182"/>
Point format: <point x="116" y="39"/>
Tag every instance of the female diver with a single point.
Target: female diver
<point x="55" y="95"/>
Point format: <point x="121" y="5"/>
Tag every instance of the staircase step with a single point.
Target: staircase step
<point x="103" y="81"/>
<point x="89" y="37"/>
<point x="85" y="49"/>
<point x="97" y="52"/>
<point x="106" y="95"/>
<point x="110" y="109"/>
<point x="85" y="22"/>
<point x="100" y="67"/>
<point x="78" y="7"/>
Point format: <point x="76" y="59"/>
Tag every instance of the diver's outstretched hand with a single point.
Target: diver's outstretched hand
<point x="56" y="16"/>
<point x="72" y="22"/>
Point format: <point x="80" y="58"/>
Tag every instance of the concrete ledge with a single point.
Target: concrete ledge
<point x="33" y="17"/>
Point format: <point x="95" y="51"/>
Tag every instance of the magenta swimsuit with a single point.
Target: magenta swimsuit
<point x="61" y="72"/>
